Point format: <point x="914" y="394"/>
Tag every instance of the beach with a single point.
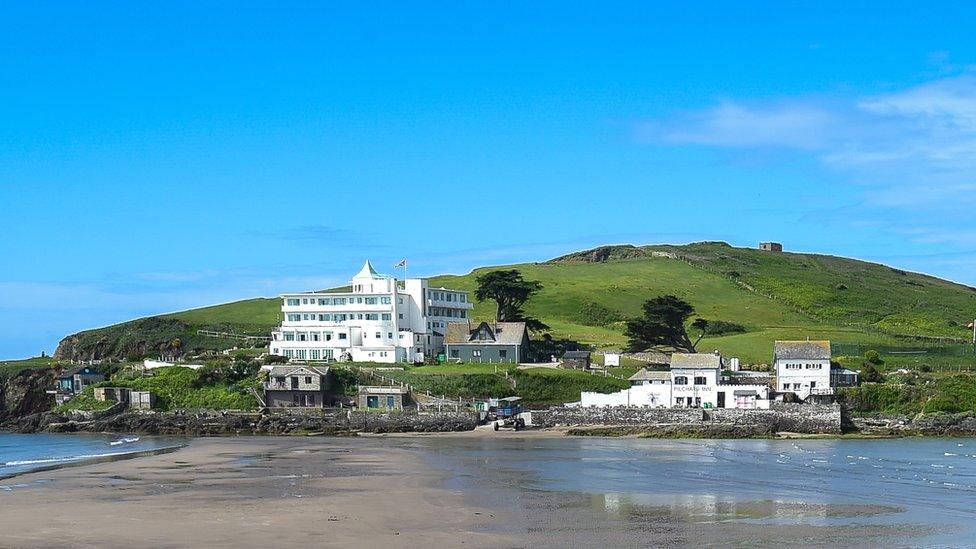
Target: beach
<point x="529" y="489"/>
<point x="248" y="491"/>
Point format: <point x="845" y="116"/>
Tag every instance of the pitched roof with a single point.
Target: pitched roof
<point x="576" y="354"/>
<point x="289" y="369"/>
<point x="367" y="271"/>
<point x="504" y="333"/>
<point x="811" y="350"/>
<point x="650" y="375"/>
<point x="77" y="370"/>
<point x="696" y="360"/>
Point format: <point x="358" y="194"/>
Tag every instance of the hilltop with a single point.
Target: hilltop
<point x="587" y="295"/>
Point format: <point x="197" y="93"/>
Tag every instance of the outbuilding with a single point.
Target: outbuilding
<point x="387" y="399"/>
<point x="577" y="359"/>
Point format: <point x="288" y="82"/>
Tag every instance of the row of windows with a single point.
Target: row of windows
<point x="338" y="317"/>
<point x="453" y="313"/>
<point x="476" y="353"/>
<point x="294" y="301"/>
<point x="309" y="354"/>
<point x="310" y="336"/>
<point x="808" y="366"/>
<point x="683" y="380"/>
<point x="447" y="296"/>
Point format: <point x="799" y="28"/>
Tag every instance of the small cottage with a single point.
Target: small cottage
<point x="112" y="394"/>
<point x="72" y="382"/>
<point x="388" y="399"/>
<point x="491" y="342"/>
<point x="297" y="386"/>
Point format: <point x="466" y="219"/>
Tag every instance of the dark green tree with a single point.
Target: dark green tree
<point x="510" y="292"/>
<point x="663" y="325"/>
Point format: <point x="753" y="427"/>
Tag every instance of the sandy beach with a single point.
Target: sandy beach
<point x="249" y="491"/>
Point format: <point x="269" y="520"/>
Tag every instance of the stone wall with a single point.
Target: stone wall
<point x="326" y="422"/>
<point x="794" y="418"/>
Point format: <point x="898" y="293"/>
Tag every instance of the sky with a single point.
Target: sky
<point x="162" y="156"/>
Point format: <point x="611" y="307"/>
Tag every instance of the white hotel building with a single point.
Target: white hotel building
<point x="381" y="320"/>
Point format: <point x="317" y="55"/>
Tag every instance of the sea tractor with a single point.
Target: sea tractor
<point x="506" y="412"/>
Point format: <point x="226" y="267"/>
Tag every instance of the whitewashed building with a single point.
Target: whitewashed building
<point x="647" y="388"/>
<point x="381" y="319"/>
<point x="696" y="383"/>
<point x="802" y="367"/>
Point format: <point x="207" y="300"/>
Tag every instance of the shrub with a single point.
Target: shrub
<point x="722" y="327"/>
<point x="275" y="359"/>
<point x="874" y="357"/>
<point x="871" y="374"/>
<point x="925" y="368"/>
<point x="596" y="314"/>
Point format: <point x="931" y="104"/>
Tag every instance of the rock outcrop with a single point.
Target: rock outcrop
<point x="25" y="393"/>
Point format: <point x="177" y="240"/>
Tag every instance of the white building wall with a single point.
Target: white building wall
<point x="803" y="376"/>
<point x="378" y="321"/>
<point x="656" y="395"/>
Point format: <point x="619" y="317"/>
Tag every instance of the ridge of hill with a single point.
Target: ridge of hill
<point x="587" y="296"/>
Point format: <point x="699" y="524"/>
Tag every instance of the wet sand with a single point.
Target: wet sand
<point x="245" y="492"/>
<point x="390" y="491"/>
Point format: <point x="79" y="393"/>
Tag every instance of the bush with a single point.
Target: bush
<point x="177" y="387"/>
<point x="596" y="314"/>
<point x="722" y="327"/>
<point x="275" y="359"/>
<point x="925" y="368"/>
<point x="871" y="374"/>
<point x="874" y="357"/>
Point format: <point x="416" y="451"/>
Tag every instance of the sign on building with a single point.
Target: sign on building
<point x="611" y="359"/>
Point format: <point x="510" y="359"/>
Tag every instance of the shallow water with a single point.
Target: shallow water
<point x="904" y="492"/>
<point x="24" y="453"/>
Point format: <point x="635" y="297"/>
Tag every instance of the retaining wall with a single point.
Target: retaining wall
<point x="795" y="418"/>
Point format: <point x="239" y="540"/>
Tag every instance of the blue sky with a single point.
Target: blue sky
<point x="161" y="157"/>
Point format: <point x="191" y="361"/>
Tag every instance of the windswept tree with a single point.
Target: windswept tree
<point x="510" y="292"/>
<point x="663" y="325"/>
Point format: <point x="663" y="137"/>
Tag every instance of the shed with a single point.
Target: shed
<point x="141" y="400"/>
<point x="387" y="399"/>
<point x="112" y="394"/>
<point x="577" y="359"/>
<point x="771" y="246"/>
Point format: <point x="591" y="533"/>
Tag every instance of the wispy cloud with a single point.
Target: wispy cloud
<point x="911" y="148"/>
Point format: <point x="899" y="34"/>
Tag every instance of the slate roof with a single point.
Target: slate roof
<point x="696" y="360"/>
<point x="285" y="370"/>
<point x="809" y="350"/>
<point x="649" y="375"/>
<point x="576" y="354"/>
<point x="505" y="333"/>
<point x="77" y="370"/>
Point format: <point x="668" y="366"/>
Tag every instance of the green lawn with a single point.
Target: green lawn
<point x="10" y="368"/>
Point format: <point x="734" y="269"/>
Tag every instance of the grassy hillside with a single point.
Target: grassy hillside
<point x="586" y="296"/>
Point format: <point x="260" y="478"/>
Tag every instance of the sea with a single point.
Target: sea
<point x="909" y="492"/>
<point x="24" y="453"/>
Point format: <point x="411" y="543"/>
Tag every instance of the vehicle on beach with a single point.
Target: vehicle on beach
<point x="505" y="412"/>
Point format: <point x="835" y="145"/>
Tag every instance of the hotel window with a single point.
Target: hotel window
<point x="379" y="335"/>
<point x="342" y="336"/>
<point x="289" y="336"/>
<point x="304" y="301"/>
<point x="302" y="336"/>
<point x="315" y="336"/>
<point x="681" y="380"/>
<point x="313" y="354"/>
<point x="387" y="316"/>
<point x="786" y="386"/>
<point x="289" y="353"/>
<point x="323" y="302"/>
<point x="339" y="301"/>
<point x="300" y="355"/>
<point x="294" y="317"/>
<point x="328" y="336"/>
<point x="385" y="300"/>
<point x="372" y="316"/>
<point x="359" y="300"/>
<point x="400" y="300"/>
<point x="293" y="302"/>
<point x="389" y="335"/>
<point x="700" y="380"/>
<point x="400" y="316"/>
<point x="359" y="316"/>
<point x="371" y="301"/>
<point x="325" y="318"/>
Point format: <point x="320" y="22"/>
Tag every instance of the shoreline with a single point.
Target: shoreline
<point x="106" y="458"/>
<point x="266" y="491"/>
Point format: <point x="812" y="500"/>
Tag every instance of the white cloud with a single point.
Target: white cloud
<point x="911" y="148"/>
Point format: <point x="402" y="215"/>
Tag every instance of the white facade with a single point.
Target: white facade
<point x="381" y="319"/>
<point x="652" y="393"/>
<point x="803" y="367"/>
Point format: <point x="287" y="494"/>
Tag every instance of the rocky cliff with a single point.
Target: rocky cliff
<point x="25" y="393"/>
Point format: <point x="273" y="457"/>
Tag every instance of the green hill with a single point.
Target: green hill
<point x="586" y="296"/>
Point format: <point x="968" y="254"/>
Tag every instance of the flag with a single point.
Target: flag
<point x="402" y="263"/>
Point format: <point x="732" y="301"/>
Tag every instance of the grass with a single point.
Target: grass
<point x="773" y="295"/>
<point x="177" y="388"/>
<point x="10" y="368"/>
